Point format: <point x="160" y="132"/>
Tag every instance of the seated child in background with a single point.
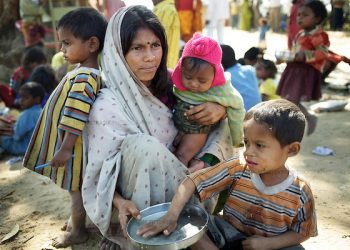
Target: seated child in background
<point x="199" y="77"/>
<point x="268" y="205"/>
<point x="266" y="71"/>
<point x="30" y="96"/>
<point x="58" y="134"/>
<point x="45" y="76"/>
<point x="31" y="58"/>
<point x="252" y="55"/>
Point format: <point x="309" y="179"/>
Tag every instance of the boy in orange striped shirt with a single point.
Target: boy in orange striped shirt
<point x="269" y="206"/>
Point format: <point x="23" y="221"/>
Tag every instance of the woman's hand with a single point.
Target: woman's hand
<point x="127" y="209"/>
<point x="207" y="113"/>
<point x="166" y="224"/>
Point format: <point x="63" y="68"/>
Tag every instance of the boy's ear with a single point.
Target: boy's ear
<point x="94" y="44"/>
<point x="293" y="148"/>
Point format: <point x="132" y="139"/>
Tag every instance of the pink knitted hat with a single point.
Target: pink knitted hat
<point x="204" y="48"/>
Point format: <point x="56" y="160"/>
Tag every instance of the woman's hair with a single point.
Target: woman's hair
<point x="283" y="118"/>
<point x="318" y="8"/>
<point x="44" y="75"/>
<point x="269" y="67"/>
<point x="33" y="55"/>
<point x="34" y="89"/>
<point x="139" y="17"/>
<point x="228" y="56"/>
<point x="85" y="23"/>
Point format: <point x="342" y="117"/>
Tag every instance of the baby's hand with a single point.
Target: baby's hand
<point x="166" y="225"/>
<point x="61" y="158"/>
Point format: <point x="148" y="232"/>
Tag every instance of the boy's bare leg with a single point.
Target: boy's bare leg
<point x="189" y="146"/>
<point x="78" y="233"/>
<point x="204" y="243"/>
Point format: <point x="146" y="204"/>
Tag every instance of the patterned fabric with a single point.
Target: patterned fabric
<point x="268" y="88"/>
<point x="129" y="133"/>
<point x="167" y="15"/>
<point x="256" y="209"/>
<point x="226" y="96"/>
<point x="183" y="124"/>
<point x="315" y="46"/>
<point x="67" y="110"/>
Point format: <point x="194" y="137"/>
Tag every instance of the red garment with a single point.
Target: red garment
<point x="19" y="77"/>
<point x="293" y="27"/>
<point x="315" y="45"/>
<point x="7" y="95"/>
<point x="184" y="5"/>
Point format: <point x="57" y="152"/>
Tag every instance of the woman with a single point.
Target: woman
<point x="130" y="130"/>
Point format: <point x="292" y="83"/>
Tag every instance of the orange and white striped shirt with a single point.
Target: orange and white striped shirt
<point x="256" y="209"/>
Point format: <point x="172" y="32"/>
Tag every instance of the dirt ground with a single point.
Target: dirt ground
<point x="40" y="208"/>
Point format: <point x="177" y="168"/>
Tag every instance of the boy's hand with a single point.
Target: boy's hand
<point x="61" y="158"/>
<point x="166" y="224"/>
<point x="255" y="242"/>
<point x="127" y="208"/>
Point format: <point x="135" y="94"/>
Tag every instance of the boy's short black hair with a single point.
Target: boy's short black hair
<point x="282" y="117"/>
<point x="85" y="23"/>
<point x="194" y="63"/>
<point x="318" y="8"/>
<point x="269" y="66"/>
<point x="33" y="55"/>
<point x="34" y="89"/>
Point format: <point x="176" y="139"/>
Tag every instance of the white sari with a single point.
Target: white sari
<point x="128" y="136"/>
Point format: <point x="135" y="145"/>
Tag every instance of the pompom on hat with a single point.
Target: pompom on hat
<point x="204" y="48"/>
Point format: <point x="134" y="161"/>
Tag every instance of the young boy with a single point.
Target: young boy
<point x="268" y="205"/>
<point x="30" y="96"/>
<point x="57" y="138"/>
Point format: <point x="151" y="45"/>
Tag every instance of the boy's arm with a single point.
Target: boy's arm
<point x="167" y="223"/>
<point x="64" y="154"/>
<point x="286" y="239"/>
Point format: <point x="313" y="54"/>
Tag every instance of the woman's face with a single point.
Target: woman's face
<point x="144" y="55"/>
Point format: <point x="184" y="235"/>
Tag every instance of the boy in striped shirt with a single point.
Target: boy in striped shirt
<point x="269" y="205"/>
<point x="57" y="138"/>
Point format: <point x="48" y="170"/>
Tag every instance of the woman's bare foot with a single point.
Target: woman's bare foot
<point x="195" y="165"/>
<point x="106" y="244"/>
<point x="66" y="227"/>
<point x="70" y="238"/>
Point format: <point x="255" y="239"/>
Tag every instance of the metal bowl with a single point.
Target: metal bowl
<point x="285" y="56"/>
<point x="191" y="226"/>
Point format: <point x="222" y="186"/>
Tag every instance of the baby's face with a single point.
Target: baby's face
<point x="197" y="80"/>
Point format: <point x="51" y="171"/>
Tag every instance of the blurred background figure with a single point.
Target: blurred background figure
<point x="190" y="14"/>
<point x="263" y="28"/>
<point x="234" y="11"/>
<point x="245" y="18"/>
<point x="255" y="7"/>
<point x="337" y="15"/>
<point x="217" y="14"/>
<point x="275" y="14"/>
<point x="169" y="18"/>
<point x="31" y="13"/>
<point x="293" y="27"/>
<point x="243" y="78"/>
<point x="111" y="6"/>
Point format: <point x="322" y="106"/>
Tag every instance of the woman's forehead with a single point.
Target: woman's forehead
<point x="145" y="36"/>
